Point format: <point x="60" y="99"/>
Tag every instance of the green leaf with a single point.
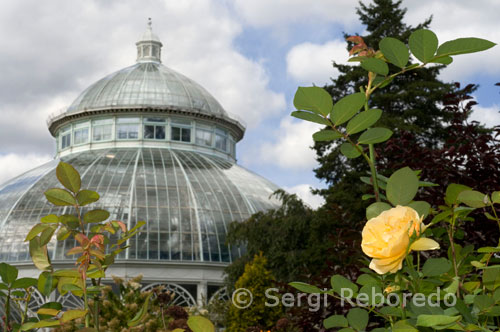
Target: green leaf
<point x="358" y="318"/>
<point x="200" y="324"/>
<point x="326" y="135"/>
<point x="491" y="278"/>
<point x="372" y="294"/>
<point x="402" y="186"/>
<point x="435" y="320"/>
<point x="363" y="120"/>
<point x="345" y="108"/>
<point x="314" y="99"/>
<point x="63" y="233"/>
<point x="141" y="314"/>
<point x="335" y="321"/>
<point x="422" y="208"/>
<point x="366" y="279"/>
<point x="464" y="45"/>
<point x="8" y="273"/>
<point x="24" y="283"/>
<point x="311" y="117"/>
<point x="72" y="315"/>
<point x="375" y="209"/>
<point x="45" y="323"/>
<point x="483" y="302"/>
<point x="395" y="51"/>
<point x="495" y="197"/>
<point x="375" y="135"/>
<point x="46" y="283"/>
<point x="86" y="197"/>
<point x="95" y="216"/>
<point x="39" y="254"/>
<point x="444" y="60"/>
<point x="436" y="266"/>
<point x="340" y="283"/>
<point x="376" y="66"/>
<point x="66" y="273"/>
<point x="403" y="326"/>
<point x="423" y="44"/>
<point x="473" y="198"/>
<point x="60" y="197"/>
<point x="348" y="150"/>
<point x="46" y="235"/>
<point x="70" y="220"/>
<point x="50" y="219"/>
<point x="452" y="192"/>
<point x="37" y="229"/>
<point x="306" y="288"/>
<point x="68" y="176"/>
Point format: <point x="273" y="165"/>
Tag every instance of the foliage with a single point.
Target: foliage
<point x="99" y="242"/>
<point x="301" y="248"/>
<point x="392" y="235"/>
<point x="470" y="156"/>
<point x="256" y="279"/>
<point x="409" y="103"/>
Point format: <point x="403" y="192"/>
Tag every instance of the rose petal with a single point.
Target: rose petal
<point x="424" y="244"/>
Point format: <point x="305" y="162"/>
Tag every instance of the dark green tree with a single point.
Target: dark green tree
<point x="297" y="241"/>
<point x="410" y="102"/>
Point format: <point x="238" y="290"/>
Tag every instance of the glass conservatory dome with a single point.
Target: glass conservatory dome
<point x="147" y="84"/>
<point x="157" y="147"/>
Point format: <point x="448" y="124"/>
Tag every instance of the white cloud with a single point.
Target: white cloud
<point x="489" y="116"/>
<point x="291" y="149"/>
<point x="278" y="12"/>
<point x="312" y="63"/>
<point x="457" y="19"/>
<point x="12" y="165"/>
<point x="304" y="192"/>
<point x="70" y="45"/>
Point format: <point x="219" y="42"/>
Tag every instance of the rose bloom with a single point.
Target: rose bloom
<point x="386" y="238"/>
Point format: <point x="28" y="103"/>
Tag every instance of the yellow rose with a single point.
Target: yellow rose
<point x="386" y="238"/>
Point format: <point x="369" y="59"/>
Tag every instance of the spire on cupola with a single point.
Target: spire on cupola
<point x="149" y="46"/>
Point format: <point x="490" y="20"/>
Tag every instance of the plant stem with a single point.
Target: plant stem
<point x="452" y="245"/>
<point x="373" y="170"/>
<point x="25" y="311"/>
<point x="7" y="310"/>
<point x="84" y="272"/>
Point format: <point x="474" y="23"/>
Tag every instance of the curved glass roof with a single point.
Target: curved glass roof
<point x="187" y="199"/>
<point x="147" y="84"/>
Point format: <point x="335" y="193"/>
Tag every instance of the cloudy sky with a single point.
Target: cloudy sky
<point x="251" y="55"/>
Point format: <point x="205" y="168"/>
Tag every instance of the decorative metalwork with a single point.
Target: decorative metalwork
<point x="220" y="295"/>
<point x="182" y="297"/>
<point x="70" y="301"/>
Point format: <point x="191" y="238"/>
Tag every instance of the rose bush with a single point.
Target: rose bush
<point x="395" y="234"/>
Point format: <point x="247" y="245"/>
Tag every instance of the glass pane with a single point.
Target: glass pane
<point x="186" y="135"/>
<point x="81" y="136"/>
<point x="127" y="131"/>
<point x="127" y="120"/>
<point x="149" y="132"/>
<point x="102" y="132"/>
<point x="66" y="140"/>
<point x="155" y="120"/>
<point x="160" y="132"/>
<point x="176" y="134"/>
<point x="203" y="137"/>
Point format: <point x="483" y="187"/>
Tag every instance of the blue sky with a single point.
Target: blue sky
<point x="251" y="55"/>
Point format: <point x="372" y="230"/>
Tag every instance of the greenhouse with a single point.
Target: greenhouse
<point x="157" y="147"/>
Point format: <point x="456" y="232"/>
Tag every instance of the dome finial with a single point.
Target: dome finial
<point x="149" y="46"/>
